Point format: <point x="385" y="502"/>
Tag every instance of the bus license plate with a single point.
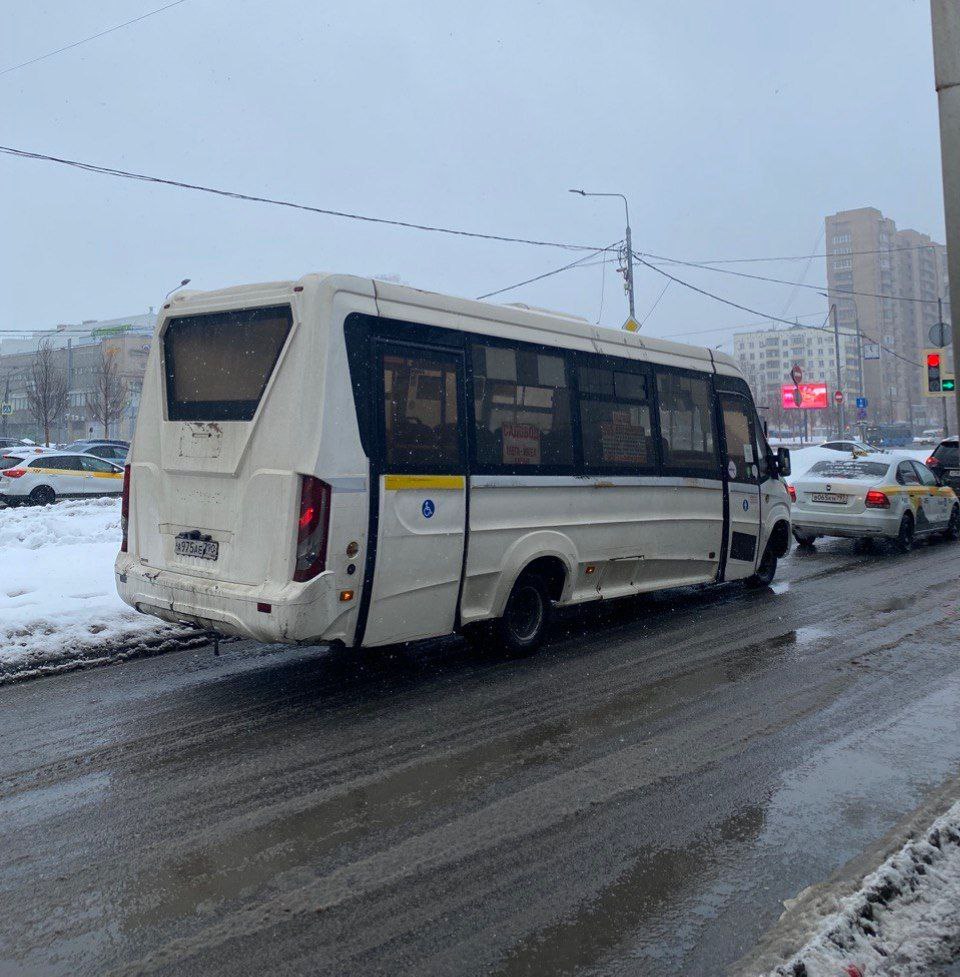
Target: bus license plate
<point x="197" y="548"/>
<point x="831" y="497"/>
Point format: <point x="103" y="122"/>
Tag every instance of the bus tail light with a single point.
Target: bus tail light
<point x="793" y="493"/>
<point x="125" y="508"/>
<point x="312" y="528"/>
<point x="876" y="500"/>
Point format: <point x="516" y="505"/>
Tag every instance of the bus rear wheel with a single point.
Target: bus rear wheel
<point x="526" y="616"/>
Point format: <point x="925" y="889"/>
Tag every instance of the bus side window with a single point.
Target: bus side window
<point x="522" y="408"/>
<point x="420" y="413"/>
<point x="615" y="420"/>
<point x="687" y="424"/>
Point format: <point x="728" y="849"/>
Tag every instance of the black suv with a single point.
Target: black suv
<point x="945" y="461"/>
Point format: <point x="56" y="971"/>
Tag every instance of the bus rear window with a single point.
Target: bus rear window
<point x="218" y="365"/>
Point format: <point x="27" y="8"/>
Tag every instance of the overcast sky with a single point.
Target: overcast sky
<point x="732" y="127"/>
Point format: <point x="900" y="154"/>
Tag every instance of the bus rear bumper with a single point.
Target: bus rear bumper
<point x="312" y="615"/>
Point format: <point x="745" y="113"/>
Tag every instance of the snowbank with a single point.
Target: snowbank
<point x="903" y="921"/>
<point x="58" y="599"/>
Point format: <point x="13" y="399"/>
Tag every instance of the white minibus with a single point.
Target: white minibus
<point x="342" y="460"/>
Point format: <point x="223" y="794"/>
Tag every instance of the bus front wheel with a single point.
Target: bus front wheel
<point x="766" y="571"/>
<point x="526" y="616"/>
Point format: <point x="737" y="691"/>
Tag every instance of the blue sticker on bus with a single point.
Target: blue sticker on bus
<point x="428" y="508"/>
<point x="746" y="505"/>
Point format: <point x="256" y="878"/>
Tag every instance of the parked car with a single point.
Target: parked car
<point x="41" y="479"/>
<point x="848" y="447"/>
<point x="879" y="495"/>
<point x="112" y="452"/>
<point x="84" y="444"/>
<point x="6" y="443"/>
<point x="945" y="461"/>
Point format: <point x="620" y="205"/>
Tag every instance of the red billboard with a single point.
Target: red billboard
<point x="813" y="396"/>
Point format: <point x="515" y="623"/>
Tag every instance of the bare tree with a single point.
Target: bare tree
<point x="46" y="389"/>
<point x="110" y="395"/>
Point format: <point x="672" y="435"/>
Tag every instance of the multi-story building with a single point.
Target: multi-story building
<point x="886" y="283"/>
<point x="77" y="352"/>
<point x="767" y="356"/>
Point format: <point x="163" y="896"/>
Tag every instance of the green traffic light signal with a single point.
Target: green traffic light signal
<point x="948" y="385"/>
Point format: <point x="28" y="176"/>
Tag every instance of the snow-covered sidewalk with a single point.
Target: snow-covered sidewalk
<point x="58" y="602"/>
<point x="903" y="921"/>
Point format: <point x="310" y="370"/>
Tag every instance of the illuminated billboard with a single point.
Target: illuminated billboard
<point x="813" y="396"/>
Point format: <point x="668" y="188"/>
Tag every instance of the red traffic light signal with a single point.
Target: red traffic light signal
<point x="933" y="359"/>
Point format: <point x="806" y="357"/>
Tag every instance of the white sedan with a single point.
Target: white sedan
<point x="848" y="447"/>
<point x="886" y="495"/>
<point x="43" y="478"/>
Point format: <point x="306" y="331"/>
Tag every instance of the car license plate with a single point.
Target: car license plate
<point x="831" y="497"/>
<point x="953" y="473"/>
<point x="197" y="548"/>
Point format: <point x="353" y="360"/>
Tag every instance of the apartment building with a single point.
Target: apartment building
<point x="767" y="356"/>
<point x="887" y="282"/>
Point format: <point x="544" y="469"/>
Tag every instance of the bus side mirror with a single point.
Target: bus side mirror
<point x="783" y="462"/>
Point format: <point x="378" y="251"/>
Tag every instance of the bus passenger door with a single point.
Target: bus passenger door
<point x="421" y="495"/>
<point x="742" y="471"/>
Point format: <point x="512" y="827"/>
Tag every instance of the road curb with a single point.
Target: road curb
<point x="145" y="647"/>
<point x="804" y="915"/>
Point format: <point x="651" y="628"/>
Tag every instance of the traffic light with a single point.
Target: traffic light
<point x="933" y="372"/>
<point x="940" y="381"/>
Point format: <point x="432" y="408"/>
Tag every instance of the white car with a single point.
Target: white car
<point x="881" y="494"/>
<point x="44" y="478"/>
<point x="848" y="446"/>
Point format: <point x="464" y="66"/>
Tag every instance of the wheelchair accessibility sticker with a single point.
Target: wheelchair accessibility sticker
<point x="428" y="508"/>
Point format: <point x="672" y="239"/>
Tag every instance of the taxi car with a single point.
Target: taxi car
<point x="41" y="479"/>
<point x="879" y="495"/>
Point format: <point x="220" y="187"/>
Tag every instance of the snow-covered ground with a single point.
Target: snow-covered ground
<point x="904" y="919"/>
<point x="58" y="600"/>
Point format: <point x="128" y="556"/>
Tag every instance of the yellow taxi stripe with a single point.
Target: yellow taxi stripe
<point x="394" y="482"/>
<point x="72" y="471"/>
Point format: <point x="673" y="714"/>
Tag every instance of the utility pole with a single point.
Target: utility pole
<point x="943" y="400"/>
<point x="6" y="398"/>
<point x="629" y="243"/>
<point x="862" y="425"/>
<point x="945" y="19"/>
<point x="836" y="343"/>
<point x="66" y="413"/>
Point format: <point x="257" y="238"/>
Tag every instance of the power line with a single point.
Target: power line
<point x="92" y="37"/>
<point x="746" y="308"/>
<point x="744" y="326"/>
<point x="235" y="195"/>
<point x="806" y="271"/>
<point x="663" y="291"/>
<point x="823" y="254"/>
<point x="782" y="281"/>
<point x="547" y="274"/>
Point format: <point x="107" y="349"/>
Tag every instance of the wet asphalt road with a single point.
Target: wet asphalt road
<point x="637" y="799"/>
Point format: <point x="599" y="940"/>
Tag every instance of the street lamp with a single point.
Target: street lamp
<point x="186" y="281"/>
<point x="584" y="193"/>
